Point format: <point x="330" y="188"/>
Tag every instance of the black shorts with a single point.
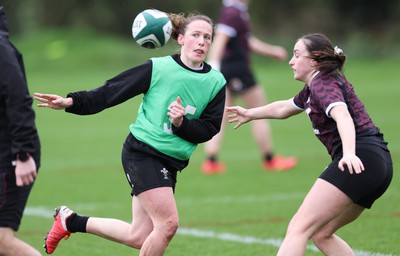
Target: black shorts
<point x="366" y="187"/>
<point x="238" y="76"/>
<point x="146" y="168"/>
<point x="12" y="200"/>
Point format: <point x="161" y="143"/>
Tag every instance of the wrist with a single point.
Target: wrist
<point x="69" y="101"/>
<point x="23" y="156"/>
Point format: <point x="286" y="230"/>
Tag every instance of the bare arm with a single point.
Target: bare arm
<point x="276" y="110"/>
<point x="347" y="134"/>
<point x="217" y="50"/>
<point x="265" y="49"/>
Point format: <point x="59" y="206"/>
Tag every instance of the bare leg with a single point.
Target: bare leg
<point x="255" y="97"/>
<point x="119" y="231"/>
<point x="160" y="205"/>
<point x="325" y="238"/>
<point x="154" y="224"/>
<point x="10" y="245"/>
<point x="323" y="204"/>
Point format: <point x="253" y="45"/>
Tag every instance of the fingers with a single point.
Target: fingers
<point x="350" y="167"/>
<point x="341" y="167"/>
<point x="359" y="167"/>
<point x="231" y="109"/>
<point x="238" y="125"/>
<point x="26" y="179"/>
<point x="233" y="117"/>
<point x="176" y="109"/>
<point x="354" y="165"/>
<point x="52" y="101"/>
<point x="45" y="98"/>
<point x="19" y="182"/>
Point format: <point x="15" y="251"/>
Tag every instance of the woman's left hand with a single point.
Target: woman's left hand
<point x="353" y="163"/>
<point x="176" y="112"/>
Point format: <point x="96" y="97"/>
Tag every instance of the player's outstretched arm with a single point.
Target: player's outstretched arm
<point x="53" y="101"/>
<point x="265" y="49"/>
<point x="276" y="110"/>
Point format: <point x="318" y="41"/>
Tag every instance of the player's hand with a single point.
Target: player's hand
<point x="25" y="172"/>
<point x="237" y="115"/>
<point x="176" y="112"/>
<point x="353" y="163"/>
<point x="53" y="101"/>
<point x="280" y="53"/>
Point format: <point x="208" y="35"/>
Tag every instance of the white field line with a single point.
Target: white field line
<point x="274" y="242"/>
<point x="47" y="213"/>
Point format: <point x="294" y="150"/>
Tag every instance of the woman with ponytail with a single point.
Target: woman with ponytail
<point x="182" y="106"/>
<point x="361" y="168"/>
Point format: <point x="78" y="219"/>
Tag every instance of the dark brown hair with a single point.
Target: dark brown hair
<point x="328" y="58"/>
<point x="180" y="23"/>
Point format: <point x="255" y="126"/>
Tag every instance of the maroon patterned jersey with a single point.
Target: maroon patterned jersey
<point x="235" y="21"/>
<point x="325" y="92"/>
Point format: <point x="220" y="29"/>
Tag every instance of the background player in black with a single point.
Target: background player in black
<point x="19" y="145"/>
<point x="231" y="51"/>
<point x="361" y="168"/>
<point x="169" y="85"/>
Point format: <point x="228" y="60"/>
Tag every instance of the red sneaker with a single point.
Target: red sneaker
<point x="59" y="229"/>
<point x="210" y="167"/>
<point x="280" y="163"/>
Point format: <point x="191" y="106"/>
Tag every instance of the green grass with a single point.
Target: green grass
<point x="81" y="157"/>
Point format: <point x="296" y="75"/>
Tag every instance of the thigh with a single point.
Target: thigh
<point x="351" y="213"/>
<point x="323" y="203"/>
<point x="254" y="97"/>
<point x="141" y="221"/>
<point x="13" y="200"/>
<point x="159" y="204"/>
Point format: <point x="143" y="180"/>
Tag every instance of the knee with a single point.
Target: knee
<point x="320" y="237"/>
<point x="297" y="229"/>
<point x="137" y="236"/>
<point x="170" y="228"/>
<point x="164" y="232"/>
<point x="293" y="229"/>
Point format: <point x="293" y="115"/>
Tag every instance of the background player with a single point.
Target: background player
<point x="230" y="53"/>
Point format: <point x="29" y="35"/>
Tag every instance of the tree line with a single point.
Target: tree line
<point x="362" y="21"/>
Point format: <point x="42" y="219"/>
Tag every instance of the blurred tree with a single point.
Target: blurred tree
<point x="373" y="20"/>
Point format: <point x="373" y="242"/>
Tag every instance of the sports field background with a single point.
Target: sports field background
<point x="243" y="212"/>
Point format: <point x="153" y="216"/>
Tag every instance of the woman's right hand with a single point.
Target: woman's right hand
<point x="53" y="101"/>
<point x="237" y="115"/>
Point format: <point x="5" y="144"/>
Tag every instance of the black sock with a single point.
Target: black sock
<point x="268" y="157"/>
<point x="76" y="223"/>
<point x="213" y="158"/>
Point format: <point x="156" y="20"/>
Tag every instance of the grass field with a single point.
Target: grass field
<point x="243" y="212"/>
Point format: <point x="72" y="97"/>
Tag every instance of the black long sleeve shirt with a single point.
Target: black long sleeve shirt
<point x="135" y="81"/>
<point x="18" y="131"/>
